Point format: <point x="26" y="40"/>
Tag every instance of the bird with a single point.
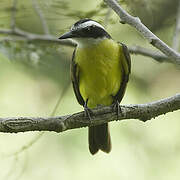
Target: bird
<point x="100" y="70"/>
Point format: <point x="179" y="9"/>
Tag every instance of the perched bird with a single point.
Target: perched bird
<point x="100" y="69"/>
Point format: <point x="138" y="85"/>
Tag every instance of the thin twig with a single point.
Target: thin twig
<point x="41" y="16"/>
<point x="175" y="43"/>
<point x="158" y="56"/>
<point x="100" y="115"/>
<point x="36" y="37"/>
<point x="144" y="31"/>
<point x="11" y="168"/>
<point x="27" y="145"/>
<point x="66" y="87"/>
<point x="23" y="168"/>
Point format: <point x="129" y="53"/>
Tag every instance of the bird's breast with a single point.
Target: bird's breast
<point x="99" y="72"/>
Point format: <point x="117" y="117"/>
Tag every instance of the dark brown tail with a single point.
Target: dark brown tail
<point x="99" y="138"/>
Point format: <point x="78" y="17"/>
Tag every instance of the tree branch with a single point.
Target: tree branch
<point x="36" y="37"/>
<point x="101" y="115"/>
<point x="158" y="56"/>
<point x="147" y="34"/>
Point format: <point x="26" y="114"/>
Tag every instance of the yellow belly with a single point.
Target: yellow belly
<point x="100" y="72"/>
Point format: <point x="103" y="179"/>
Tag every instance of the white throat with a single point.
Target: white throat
<point x="87" y="42"/>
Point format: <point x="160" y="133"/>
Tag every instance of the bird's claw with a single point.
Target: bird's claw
<point x="87" y="111"/>
<point x="117" y="108"/>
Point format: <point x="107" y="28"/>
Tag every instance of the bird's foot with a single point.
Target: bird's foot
<point x="117" y="108"/>
<point x="87" y="111"/>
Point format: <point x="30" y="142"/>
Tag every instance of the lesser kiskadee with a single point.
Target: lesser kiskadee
<point x="100" y="71"/>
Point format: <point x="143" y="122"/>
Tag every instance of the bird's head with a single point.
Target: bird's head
<point x="86" y="31"/>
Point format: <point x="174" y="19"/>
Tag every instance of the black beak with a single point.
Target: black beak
<point x="67" y="35"/>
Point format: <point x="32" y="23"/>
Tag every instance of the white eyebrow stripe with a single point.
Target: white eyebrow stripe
<point x="88" y="23"/>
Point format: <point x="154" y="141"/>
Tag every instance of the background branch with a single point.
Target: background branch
<point x="41" y="16"/>
<point x="158" y="56"/>
<point x="125" y="17"/>
<point x="36" y="37"/>
<point x="101" y="115"/>
<point x="152" y="38"/>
